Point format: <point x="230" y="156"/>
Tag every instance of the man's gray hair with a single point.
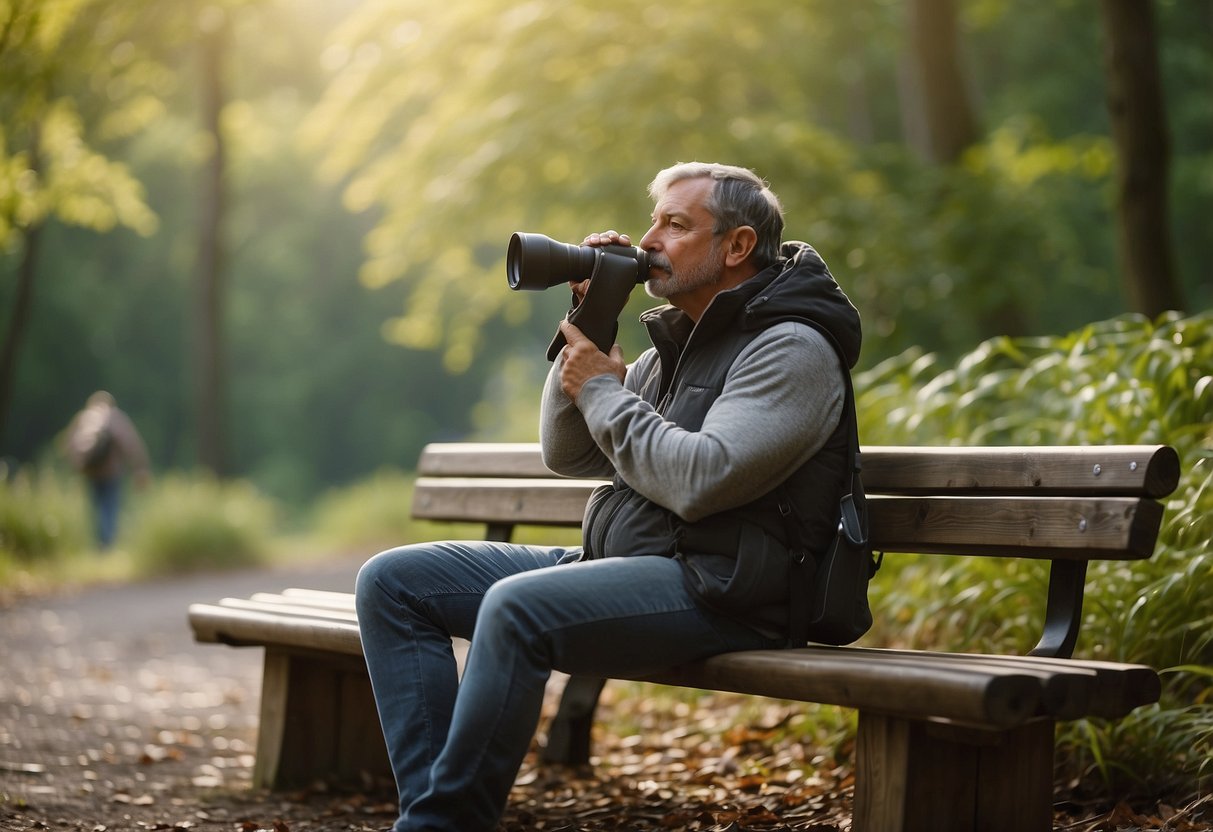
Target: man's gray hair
<point x="739" y="197"/>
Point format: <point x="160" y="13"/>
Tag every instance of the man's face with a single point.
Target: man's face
<point x="684" y="255"/>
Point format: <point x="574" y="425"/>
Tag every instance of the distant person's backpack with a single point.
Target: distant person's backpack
<point x="92" y="441"/>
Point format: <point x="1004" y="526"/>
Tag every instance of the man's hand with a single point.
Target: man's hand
<point x="583" y="361"/>
<point x="606" y="238"/>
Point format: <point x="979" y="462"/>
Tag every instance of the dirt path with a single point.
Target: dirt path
<point x="111" y="717"/>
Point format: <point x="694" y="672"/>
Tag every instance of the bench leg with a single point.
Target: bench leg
<point x="913" y="776"/>
<point x="318" y="722"/>
<point x="569" y="733"/>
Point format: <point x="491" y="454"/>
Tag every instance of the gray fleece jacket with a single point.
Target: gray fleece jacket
<point x="782" y="399"/>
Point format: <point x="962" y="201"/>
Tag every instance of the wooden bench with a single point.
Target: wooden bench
<point x="946" y="741"/>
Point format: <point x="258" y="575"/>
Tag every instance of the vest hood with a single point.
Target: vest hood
<point x="799" y="286"/>
<point x="796" y="287"/>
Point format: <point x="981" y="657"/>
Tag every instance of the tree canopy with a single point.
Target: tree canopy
<point x="380" y="153"/>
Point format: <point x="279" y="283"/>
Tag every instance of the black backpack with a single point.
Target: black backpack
<point x="829" y="593"/>
<point x="92" y="445"/>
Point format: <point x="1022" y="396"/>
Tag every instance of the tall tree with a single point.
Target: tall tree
<point x="1139" y="128"/>
<point x="948" y="122"/>
<point x="23" y="300"/>
<point x="210" y="403"/>
<point x="52" y="57"/>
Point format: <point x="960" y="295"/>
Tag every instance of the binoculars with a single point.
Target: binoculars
<point x="536" y="262"/>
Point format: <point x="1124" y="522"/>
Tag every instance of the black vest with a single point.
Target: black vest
<point x="797" y="514"/>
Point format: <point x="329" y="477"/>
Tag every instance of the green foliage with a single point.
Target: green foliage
<point x="1123" y="380"/>
<point x="194" y="523"/>
<point x="375" y="514"/>
<point x="43" y="516"/>
<point x="1017" y="237"/>
<point x="1127" y="380"/>
<point x="370" y="514"/>
<point x="447" y="127"/>
<point x="52" y="54"/>
<point x="462" y="125"/>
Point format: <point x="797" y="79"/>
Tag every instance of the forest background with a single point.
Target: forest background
<point x="275" y="229"/>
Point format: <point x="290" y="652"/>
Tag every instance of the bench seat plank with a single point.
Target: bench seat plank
<point x="899" y="685"/>
<point x="224" y="624"/>
<point x="284" y="608"/>
<point x="967" y="688"/>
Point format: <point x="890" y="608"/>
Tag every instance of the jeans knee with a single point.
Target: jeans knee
<point x="368" y="585"/>
<point x="509" y="610"/>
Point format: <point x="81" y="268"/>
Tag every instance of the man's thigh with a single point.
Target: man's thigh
<point x="616" y="616"/>
<point x="445" y="581"/>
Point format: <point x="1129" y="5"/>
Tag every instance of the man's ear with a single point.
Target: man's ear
<point x="739" y="243"/>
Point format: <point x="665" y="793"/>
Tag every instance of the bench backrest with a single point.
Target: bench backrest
<point x="1068" y="505"/>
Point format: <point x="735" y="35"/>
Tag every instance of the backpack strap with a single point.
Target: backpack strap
<point x="802" y="565"/>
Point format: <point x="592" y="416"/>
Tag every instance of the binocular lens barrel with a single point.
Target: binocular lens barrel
<point x="536" y="262"/>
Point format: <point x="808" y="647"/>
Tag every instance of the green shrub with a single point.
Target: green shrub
<point x="375" y="513"/>
<point x="368" y="515"/>
<point x="191" y="523"/>
<point x="1126" y="381"/>
<point x="43" y="515"/>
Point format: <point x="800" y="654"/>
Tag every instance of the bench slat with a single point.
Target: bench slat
<point x="228" y="625"/>
<point x="1113" y="528"/>
<point x="1038" y="527"/>
<point x="311" y="599"/>
<point x="969" y="695"/>
<point x="482" y="459"/>
<point x="545" y="502"/>
<point x="1117" y="688"/>
<point x="1125" y="470"/>
<point x="283" y="606"/>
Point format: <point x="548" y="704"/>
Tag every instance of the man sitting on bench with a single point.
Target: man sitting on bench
<point x="725" y="437"/>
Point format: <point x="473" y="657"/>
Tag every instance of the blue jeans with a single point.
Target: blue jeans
<point x="107" y="497"/>
<point x="456" y="746"/>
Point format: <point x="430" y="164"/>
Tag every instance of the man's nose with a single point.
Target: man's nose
<point x="649" y="241"/>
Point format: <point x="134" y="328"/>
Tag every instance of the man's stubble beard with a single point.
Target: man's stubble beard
<point x="704" y="273"/>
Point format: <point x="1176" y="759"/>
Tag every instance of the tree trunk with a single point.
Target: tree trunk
<point x="23" y="301"/>
<point x="950" y="123"/>
<point x="210" y="398"/>
<point x="18" y="320"/>
<point x="1139" y="129"/>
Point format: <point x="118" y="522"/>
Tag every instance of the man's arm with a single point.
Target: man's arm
<point x="566" y="443"/>
<point x="782" y="399"/>
<point x="568" y="448"/>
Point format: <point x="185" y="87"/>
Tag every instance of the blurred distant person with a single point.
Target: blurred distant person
<point x="102" y="444"/>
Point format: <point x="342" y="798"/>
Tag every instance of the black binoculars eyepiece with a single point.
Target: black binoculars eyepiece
<point x="536" y="262"/>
